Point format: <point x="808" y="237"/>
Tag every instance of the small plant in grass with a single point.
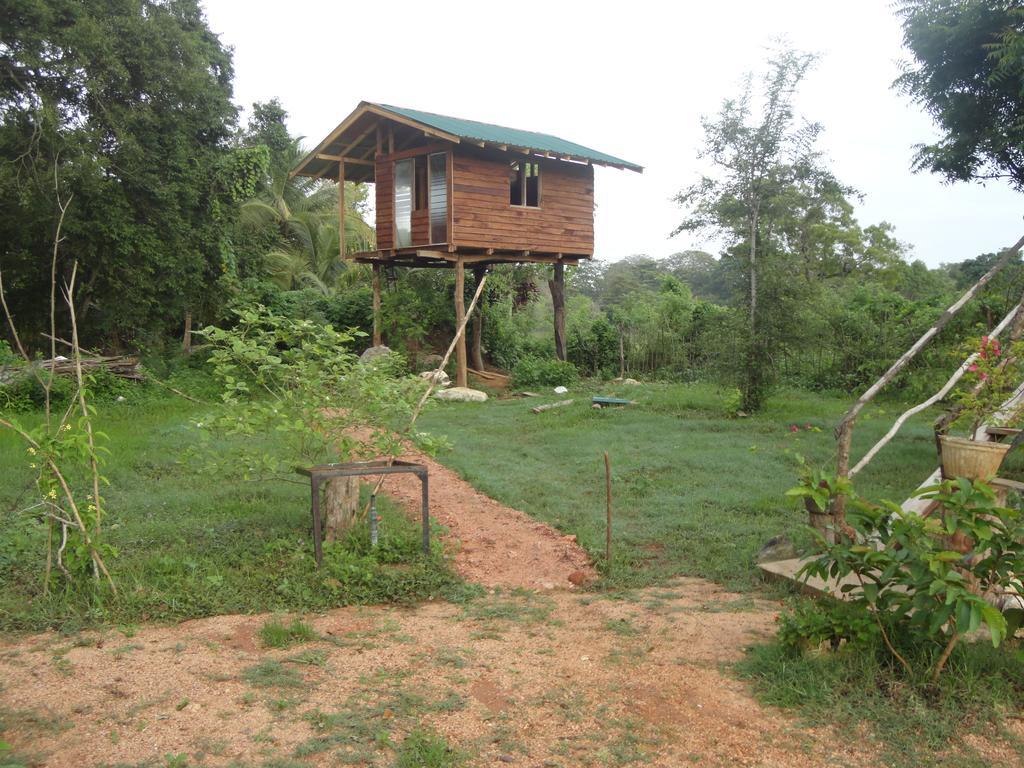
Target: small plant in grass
<point x="918" y="588"/>
<point x="276" y="634"/>
<point x="817" y="486"/>
<point x="272" y="674"/>
<point x="424" y="748"/>
<point x="826" y="624"/>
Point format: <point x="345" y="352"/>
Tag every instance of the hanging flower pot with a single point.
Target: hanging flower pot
<point x="973" y="459"/>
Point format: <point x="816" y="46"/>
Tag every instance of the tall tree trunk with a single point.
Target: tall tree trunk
<point x="341" y="502"/>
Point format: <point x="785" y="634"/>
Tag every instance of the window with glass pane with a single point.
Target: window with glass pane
<point x="439" y="198"/>
<point x="403" y="203"/>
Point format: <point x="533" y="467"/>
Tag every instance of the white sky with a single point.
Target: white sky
<point x="631" y="79"/>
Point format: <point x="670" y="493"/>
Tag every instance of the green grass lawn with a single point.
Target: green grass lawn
<point x="193" y="542"/>
<point x="694" y="493"/>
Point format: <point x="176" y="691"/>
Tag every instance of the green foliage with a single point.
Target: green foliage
<point x="131" y="121"/>
<point x="537" y="372"/>
<point x="786" y="220"/>
<point x="927" y="577"/>
<point x="967" y="73"/>
<point x="276" y="634"/>
<point x="818" y="487"/>
<point x="299" y="381"/>
<point x="991" y="379"/>
<point x="811" y="625"/>
<point x="424" y="748"/>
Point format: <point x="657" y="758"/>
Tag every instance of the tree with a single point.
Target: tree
<point x="128" y="102"/>
<point x="968" y="74"/>
<point x="288" y="230"/>
<point x="756" y="157"/>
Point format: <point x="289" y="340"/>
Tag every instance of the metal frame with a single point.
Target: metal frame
<point x="323" y="472"/>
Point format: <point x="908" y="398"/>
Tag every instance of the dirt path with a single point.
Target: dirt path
<point x="532" y="679"/>
<point x="494" y="545"/>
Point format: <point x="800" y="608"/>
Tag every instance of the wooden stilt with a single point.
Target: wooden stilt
<point x="557" y="286"/>
<point x="341" y="208"/>
<point x="476" y="352"/>
<point x="376" y="305"/>
<point x="461" y="363"/>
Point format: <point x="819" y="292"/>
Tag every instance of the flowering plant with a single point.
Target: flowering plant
<point x="992" y="375"/>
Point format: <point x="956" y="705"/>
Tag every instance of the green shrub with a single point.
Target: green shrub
<point x="26" y="393"/>
<point x="809" y="625"/>
<point x="536" y="372"/>
<point x="925" y="578"/>
<point x="7" y="356"/>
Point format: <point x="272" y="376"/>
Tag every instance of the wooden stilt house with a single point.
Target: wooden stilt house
<point x="460" y="193"/>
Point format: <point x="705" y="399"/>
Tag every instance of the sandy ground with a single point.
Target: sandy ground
<point x="534" y="674"/>
<point x="494" y="545"/>
<point x="555" y="679"/>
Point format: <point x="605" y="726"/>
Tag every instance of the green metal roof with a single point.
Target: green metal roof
<point x="497" y="134"/>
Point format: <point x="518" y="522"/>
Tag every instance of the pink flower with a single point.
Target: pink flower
<point x="794" y="428"/>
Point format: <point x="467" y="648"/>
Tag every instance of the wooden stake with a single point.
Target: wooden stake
<point x="461" y="361"/>
<point x="376" y="305"/>
<point x="608" y="494"/>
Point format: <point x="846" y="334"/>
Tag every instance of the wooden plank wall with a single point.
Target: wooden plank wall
<point x="385" y="188"/>
<point x="483" y="218"/>
<point x="421" y="227"/>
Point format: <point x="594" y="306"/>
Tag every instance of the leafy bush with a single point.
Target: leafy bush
<point x="536" y="372"/>
<point x="809" y="625"/>
<point x="7" y="355"/>
<point x="25" y="393"/>
<point x="925" y="580"/>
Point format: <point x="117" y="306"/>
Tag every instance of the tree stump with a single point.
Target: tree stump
<point x="341" y="504"/>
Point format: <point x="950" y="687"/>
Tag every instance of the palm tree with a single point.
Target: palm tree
<point x="304" y="213"/>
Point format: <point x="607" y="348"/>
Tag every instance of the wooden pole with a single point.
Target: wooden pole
<point x="557" y="286"/>
<point x="461" y="361"/>
<point x="376" y="305"/>
<point x="476" y="349"/>
<point x="341" y="208"/>
<point x="608" y="525"/>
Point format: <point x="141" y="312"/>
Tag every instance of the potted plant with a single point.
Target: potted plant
<point x="991" y="378"/>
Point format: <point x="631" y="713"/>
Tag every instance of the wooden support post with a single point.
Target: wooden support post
<point x="476" y="350"/>
<point x="341" y="208"/>
<point x="376" y="305"/>
<point x="557" y="286"/>
<point x="461" y="363"/>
